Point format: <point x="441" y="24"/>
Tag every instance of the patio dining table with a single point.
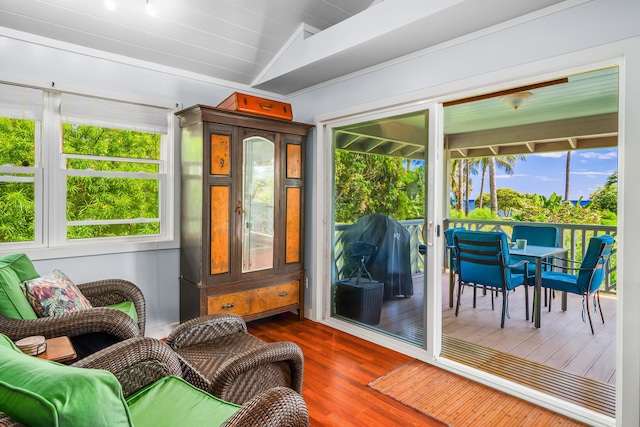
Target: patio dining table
<point x="538" y="253"/>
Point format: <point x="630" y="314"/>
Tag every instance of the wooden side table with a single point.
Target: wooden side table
<point x="59" y="349"/>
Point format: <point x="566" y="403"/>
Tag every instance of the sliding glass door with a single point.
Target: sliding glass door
<point x="382" y="249"/>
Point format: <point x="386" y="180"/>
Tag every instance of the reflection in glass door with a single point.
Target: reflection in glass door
<point x="378" y="279"/>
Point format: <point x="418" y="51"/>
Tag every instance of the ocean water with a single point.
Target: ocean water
<point x="472" y="206"/>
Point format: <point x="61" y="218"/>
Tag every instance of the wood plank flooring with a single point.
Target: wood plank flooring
<point x="564" y="341"/>
<point x="339" y="366"/>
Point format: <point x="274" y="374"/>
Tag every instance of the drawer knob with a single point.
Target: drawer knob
<point x="228" y="306"/>
<point x="284" y="293"/>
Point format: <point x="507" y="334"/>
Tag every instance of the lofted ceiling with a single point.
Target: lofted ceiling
<point x="276" y="46"/>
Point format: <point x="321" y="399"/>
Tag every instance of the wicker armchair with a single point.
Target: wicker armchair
<point x="218" y="355"/>
<point x="141" y="361"/>
<point x="89" y="330"/>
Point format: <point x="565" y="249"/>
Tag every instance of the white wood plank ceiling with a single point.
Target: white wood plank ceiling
<point x="277" y="46"/>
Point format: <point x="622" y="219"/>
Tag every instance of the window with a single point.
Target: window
<point x="80" y="170"/>
<point x="20" y="118"/>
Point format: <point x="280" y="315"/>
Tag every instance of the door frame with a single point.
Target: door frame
<point x="321" y="219"/>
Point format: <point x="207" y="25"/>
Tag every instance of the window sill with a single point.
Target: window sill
<point x="73" y="250"/>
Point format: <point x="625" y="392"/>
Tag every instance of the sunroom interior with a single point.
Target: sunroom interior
<point x="460" y="74"/>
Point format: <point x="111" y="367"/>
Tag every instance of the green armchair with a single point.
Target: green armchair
<point x="132" y="383"/>
<point x="118" y="312"/>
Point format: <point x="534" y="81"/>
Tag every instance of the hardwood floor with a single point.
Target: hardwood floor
<point x="339" y="366"/>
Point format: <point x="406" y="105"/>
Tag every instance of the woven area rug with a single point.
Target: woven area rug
<point x="459" y="402"/>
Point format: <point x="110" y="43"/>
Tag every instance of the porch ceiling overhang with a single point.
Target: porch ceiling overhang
<point x="402" y="140"/>
<point x="573" y="113"/>
<point x="559" y="135"/>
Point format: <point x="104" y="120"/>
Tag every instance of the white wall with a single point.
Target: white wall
<point x="596" y="32"/>
<point x="154" y="272"/>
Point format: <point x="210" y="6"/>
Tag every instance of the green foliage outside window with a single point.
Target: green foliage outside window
<point x="101" y="198"/>
<point x="88" y="198"/>
<point x="17" y="205"/>
<point x="369" y="183"/>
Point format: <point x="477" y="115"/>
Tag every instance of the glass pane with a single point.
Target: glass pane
<point x="109" y="199"/>
<point x="17" y="216"/>
<point x="17" y="142"/>
<point x="257" y="206"/>
<point x="379" y="205"/>
<point x="98" y="141"/>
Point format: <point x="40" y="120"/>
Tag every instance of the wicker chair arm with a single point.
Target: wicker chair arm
<point x="102" y="293"/>
<point x="136" y="362"/>
<point x="73" y="324"/>
<point x="5" y="421"/>
<point x="205" y="328"/>
<point x="277" y="407"/>
<point x="223" y="381"/>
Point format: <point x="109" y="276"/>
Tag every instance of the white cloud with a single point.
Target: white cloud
<point x="515" y="175"/>
<point x="555" y="154"/>
<point x="591" y="173"/>
<point x="599" y="155"/>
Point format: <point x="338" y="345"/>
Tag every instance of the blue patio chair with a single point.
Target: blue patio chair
<point x="537" y="236"/>
<point x="453" y="261"/>
<point x="590" y="275"/>
<point x="484" y="262"/>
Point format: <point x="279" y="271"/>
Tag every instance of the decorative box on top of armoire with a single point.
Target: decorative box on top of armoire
<point x="242" y="214"/>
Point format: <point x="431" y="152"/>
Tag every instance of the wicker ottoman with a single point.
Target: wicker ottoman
<point x="219" y="356"/>
<point x="359" y="299"/>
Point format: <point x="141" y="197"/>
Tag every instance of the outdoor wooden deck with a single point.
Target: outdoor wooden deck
<point x="581" y="366"/>
<point x="564" y="341"/>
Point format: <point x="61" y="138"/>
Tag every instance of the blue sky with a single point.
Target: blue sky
<point x="545" y="173"/>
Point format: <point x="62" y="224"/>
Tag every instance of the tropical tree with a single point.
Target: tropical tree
<point x="567" y="176"/>
<point x="606" y="197"/>
<point x="484" y="164"/>
<point x="506" y="164"/>
<point x="470" y="169"/>
<point x="368" y="183"/>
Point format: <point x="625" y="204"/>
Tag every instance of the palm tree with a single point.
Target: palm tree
<point x="456" y="181"/>
<point x="567" y="176"/>
<point x="506" y="164"/>
<point x="471" y="168"/>
<point x="484" y="164"/>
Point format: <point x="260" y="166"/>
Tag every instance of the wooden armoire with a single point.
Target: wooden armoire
<point x="242" y="213"/>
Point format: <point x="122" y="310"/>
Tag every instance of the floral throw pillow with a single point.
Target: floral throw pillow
<point x="54" y="294"/>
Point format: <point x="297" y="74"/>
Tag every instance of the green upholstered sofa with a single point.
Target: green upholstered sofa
<point x="118" y="310"/>
<point x="133" y="383"/>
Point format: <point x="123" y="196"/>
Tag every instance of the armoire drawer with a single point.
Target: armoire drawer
<point x="255" y="301"/>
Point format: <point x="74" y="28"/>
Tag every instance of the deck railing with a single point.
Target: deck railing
<point x="572" y="236"/>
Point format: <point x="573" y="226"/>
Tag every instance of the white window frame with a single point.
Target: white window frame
<point x="50" y="177"/>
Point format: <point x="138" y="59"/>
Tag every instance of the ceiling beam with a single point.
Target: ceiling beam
<point x="558" y="129"/>
<point x="506" y="92"/>
<point x="591" y="142"/>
